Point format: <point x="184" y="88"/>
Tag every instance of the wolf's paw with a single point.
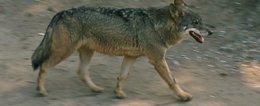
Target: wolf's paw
<point x="120" y="94"/>
<point x="43" y="93"/>
<point x="97" y="89"/>
<point x="184" y="96"/>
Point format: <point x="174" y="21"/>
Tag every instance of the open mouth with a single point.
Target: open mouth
<point x="198" y="37"/>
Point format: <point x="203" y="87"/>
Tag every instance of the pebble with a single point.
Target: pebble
<point x="72" y="61"/>
<point x="176" y="62"/>
<point x="51" y="9"/>
<point x="237" y="3"/>
<point x="229" y="56"/>
<point x="222" y="31"/>
<point x="196" y="51"/>
<point x="198" y="57"/>
<point x="183" y="55"/>
<point x="220" y="35"/>
<point x="30" y="81"/>
<point x="257" y="67"/>
<point x="257" y="86"/>
<point x="170" y="57"/>
<point x="217" y="52"/>
<point x="115" y="100"/>
<point x="187" y="58"/>
<point x="212" y="96"/>
<point x="254" y="50"/>
<point x="195" y="47"/>
<point x="242" y="72"/>
<point x="227" y="65"/>
<point x="41" y="34"/>
<point x="29" y="14"/>
<point x="226" y="49"/>
<point x="223" y="61"/>
<point x="244" y="42"/>
<point x="223" y="74"/>
<point x="206" y="55"/>
<point x="213" y="70"/>
<point x="211" y="65"/>
<point x="250" y="25"/>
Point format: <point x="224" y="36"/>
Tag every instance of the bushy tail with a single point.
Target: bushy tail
<point x="43" y="51"/>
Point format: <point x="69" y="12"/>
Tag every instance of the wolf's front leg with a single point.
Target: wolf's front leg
<point x="163" y="69"/>
<point x="125" y="68"/>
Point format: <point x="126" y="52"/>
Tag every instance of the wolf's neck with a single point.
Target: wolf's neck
<point x="165" y="26"/>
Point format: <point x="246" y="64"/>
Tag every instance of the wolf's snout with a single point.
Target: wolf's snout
<point x="197" y="36"/>
<point x="209" y="32"/>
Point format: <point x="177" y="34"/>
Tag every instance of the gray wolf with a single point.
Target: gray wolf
<point x="128" y="32"/>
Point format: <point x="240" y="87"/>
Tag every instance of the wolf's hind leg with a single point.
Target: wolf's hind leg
<point x="125" y="68"/>
<point x="41" y="82"/>
<point x="55" y="58"/>
<point x="85" y="55"/>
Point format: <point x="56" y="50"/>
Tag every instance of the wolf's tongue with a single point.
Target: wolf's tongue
<point x="197" y="36"/>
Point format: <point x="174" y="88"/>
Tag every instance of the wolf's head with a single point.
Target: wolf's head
<point x="189" y="22"/>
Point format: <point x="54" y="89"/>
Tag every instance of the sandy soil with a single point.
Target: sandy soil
<point x="224" y="71"/>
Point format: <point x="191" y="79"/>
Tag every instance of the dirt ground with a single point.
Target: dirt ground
<point x="224" y="71"/>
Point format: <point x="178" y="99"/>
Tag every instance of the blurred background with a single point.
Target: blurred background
<point x="224" y="71"/>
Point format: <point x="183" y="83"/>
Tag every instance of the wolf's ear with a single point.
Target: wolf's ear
<point x="179" y="2"/>
<point x="176" y="11"/>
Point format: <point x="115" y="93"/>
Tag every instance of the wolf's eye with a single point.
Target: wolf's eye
<point x="196" y="22"/>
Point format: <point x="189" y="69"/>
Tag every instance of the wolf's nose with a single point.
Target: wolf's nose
<point x="209" y="32"/>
